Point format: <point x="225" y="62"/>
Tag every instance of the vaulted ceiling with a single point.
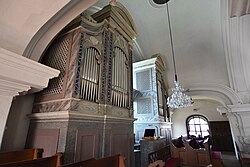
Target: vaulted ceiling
<point x="197" y="29"/>
<point x="197" y="38"/>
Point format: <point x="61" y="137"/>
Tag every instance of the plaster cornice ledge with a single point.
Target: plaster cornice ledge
<point x="75" y="116"/>
<point x="239" y="108"/>
<point x="224" y="90"/>
<point x="22" y="73"/>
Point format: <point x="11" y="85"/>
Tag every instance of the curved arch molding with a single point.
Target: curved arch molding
<point x="219" y="92"/>
<point x="52" y="27"/>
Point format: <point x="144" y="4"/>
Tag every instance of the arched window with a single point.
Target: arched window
<point x="197" y="125"/>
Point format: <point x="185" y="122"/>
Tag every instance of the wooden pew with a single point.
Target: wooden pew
<point x="179" y="153"/>
<point x="22" y="155"/>
<point x="113" y="161"/>
<point x="53" y="161"/>
<point x="198" y="157"/>
<point x="162" y="154"/>
<point x="162" y="158"/>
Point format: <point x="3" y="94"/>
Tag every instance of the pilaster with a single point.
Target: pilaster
<point x="239" y="116"/>
<point x="18" y="76"/>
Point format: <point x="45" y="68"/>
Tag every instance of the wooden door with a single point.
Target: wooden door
<point x="221" y="136"/>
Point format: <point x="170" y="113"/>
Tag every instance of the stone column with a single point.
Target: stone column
<point x="18" y="76"/>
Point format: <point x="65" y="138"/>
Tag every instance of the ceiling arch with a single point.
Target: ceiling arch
<point x="53" y="26"/>
<point x="220" y="93"/>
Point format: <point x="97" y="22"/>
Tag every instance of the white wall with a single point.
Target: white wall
<point x="18" y="123"/>
<point x="20" y="20"/>
<point x="204" y="107"/>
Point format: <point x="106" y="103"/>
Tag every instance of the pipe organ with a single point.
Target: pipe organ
<point x="89" y="89"/>
<point x="87" y="111"/>
<point x="120" y="84"/>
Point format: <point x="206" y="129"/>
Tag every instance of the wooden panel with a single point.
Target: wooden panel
<point x="183" y="157"/>
<point x="46" y="139"/>
<point x="52" y="161"/>
<point x="203" y="159"/>
<point x="22" y="155"/>
<point x="221" y="136"/>
<point x="120" y="144"/>
<point x="87" y="144"/>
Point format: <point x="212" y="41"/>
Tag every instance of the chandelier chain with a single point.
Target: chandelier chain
<point x="171" y="42"/>
<point x="178" y="99"/>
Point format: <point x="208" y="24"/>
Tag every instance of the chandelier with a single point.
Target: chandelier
<point x="178" y="99"/>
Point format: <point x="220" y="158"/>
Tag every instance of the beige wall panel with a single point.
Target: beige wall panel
<point x="46" y="139"/>
<point x="87" y="144"/>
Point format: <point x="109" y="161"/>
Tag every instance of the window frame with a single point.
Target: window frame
<point x="189" y="118"/>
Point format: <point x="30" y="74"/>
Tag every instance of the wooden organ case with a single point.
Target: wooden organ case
<point x="87" y="111"/>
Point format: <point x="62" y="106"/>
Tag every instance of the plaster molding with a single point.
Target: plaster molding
<point x="224" y="94"/>
<point x="239" y="108"/>
<point x="9" y="88"/>
<point x="53" y="26"/>
<point x="232" y="33"/>
<point x="22" y="74"/>
<point x="223" y="110"/>
<point x="138" y="50"/>
<point x="238" y="121"/>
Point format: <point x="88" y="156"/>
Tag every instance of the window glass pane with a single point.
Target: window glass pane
<point x="196" y="120"/>
<point x="197" y="127"/>
<point x="191" y="128"/>
<point x="191" y="121"/>
<point x="192" y="133"/>
<point x="204" y="127"/>
<point x="202" y="121"/>
<point x="205" y="134"/>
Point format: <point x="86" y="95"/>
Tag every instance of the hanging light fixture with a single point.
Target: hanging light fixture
<point x="178" y="99"/>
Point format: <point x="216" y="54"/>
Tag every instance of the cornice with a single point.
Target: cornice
<point x="239" y="108"/>
<point x="8" y="88"/>
<point x="62" y="116"/>
<point x="20" y="74"/>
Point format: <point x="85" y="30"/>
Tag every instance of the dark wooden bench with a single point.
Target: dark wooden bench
<point x="112" y="161"/>
<point x="53" y="161"/>
<point x="22" y="155"/>
<point x="163" y="155"/>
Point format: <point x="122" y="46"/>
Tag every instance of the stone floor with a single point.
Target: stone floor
<point x="229" y="159"/>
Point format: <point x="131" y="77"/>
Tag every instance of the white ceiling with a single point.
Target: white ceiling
<point x="198" y="29"/>
<point x="197" y="37"/>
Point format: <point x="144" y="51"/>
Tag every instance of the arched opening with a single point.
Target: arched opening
<point x="197" y="126"/>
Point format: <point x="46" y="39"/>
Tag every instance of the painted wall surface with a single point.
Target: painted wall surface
<point x="18" y="123"/>
<point x="206" y="108"/>
<point x="22" y="19"/>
